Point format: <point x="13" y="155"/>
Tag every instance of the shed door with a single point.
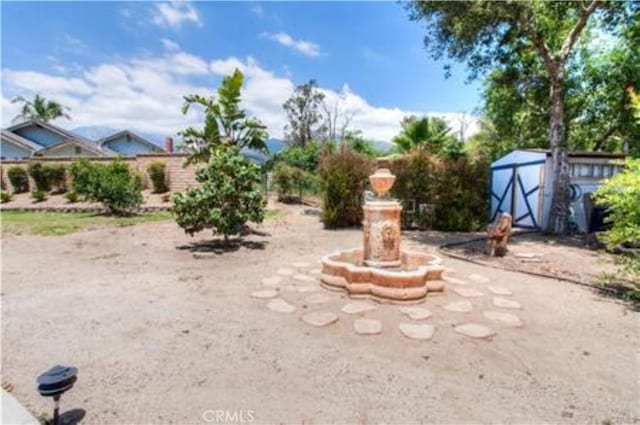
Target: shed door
<point x="515" y="188"/>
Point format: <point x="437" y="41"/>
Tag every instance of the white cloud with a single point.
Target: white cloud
<point x="170" y="45"/>
<point x="174" y="14"/>
<point x="145" y="94"/>
<point x="257" y="9"/>
<point x="307" y="48"/>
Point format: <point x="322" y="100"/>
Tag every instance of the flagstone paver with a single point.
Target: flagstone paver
<point x="319" y="318"/>
<point x="499" y="290"/>
<point x="317" y="299"/>
<point x="280" y="306"/>
<point x="468" y="292"/>
<point x="367" y="326"/>
<point x="463" y="306"/>
<point x="414" y="331"/>
<point x="265" y="293"/>
<point x="357" y="307"/>
<point x="316" y="272"/>
<point x="479" y="278"/>
<point x="504" y="318"/>
<point x="505" y="303"/>
<point x="286" y="272"/>
<point x="416" y="313"/>
<point x="304" y="278"/>
<point x="272" y="281"/>
<point x="474" y="330"/>
<point x="454" y="280"/>
<point x="307" y="288"/>
<point x="435" y="286"/>
<point x="301" y="265"/>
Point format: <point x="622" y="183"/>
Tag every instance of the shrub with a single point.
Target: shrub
<point x="228" y="196"/>
<point x="19" y="179"/>
<point x="454" y="189"/>
<point x="113" y="185"/>
<point x="39" y="195"/>
<point x="72" y="196"/>
<point x="344" y="176"/>
<point x="57" y="177"/>
<point x="158" y="177"/>
<point x="5" y="196"/>
<point x="38" y="173"/>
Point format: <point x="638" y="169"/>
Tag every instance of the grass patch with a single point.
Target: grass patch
<point x="271" y="214"/>
<point x="60" y="223"/>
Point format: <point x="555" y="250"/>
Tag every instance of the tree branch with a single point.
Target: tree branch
<point x="577" y="28"/>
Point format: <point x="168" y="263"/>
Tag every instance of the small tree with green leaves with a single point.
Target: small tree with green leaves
<point x="225" y="122"/>
<point x="229" y="195"/>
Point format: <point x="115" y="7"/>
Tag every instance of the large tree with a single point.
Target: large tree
<point x="40" y="108"/>
<point x="304" y="115"/>
<point x="225" y="122"/>
<point x="424" y="133"/>
<point x="498" y="35"/>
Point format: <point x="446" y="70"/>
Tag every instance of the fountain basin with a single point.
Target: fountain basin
<point x="346" y="270"/>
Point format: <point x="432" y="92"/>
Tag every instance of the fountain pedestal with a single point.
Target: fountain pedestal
<point x="381" y="227"/>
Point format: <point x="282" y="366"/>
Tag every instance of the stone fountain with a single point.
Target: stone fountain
<point x="381" y="270"/>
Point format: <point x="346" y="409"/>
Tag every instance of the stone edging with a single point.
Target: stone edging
<point x="70" y="209"/>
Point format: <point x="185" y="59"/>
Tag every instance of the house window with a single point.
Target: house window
<point x="78" y="150"/>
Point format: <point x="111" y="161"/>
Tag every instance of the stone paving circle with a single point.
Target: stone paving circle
<point x="468" y="292"/>
<point x="286" y="272"/>
<point x="304" y="278"/>
<point x="272" y="281"/>
<point x="416" y="313"/>
<point x="505" y="303"/>
<point x="463" y="306"/>
<point x="357" y="307"/>
<point x="265" y="293"/>
<point x="474" y="330"/>
<point x="454" y="280"/>
<point x="367" y="326"/>
<point x="319" y="318"/>
<point x="280" y="306"/>
<point x="504" y="318"/>
<point x="499" y="290"/>
<point x="317" y="299"/>
<point x="301" y="265"/>
<point x="479" y="278"/>
<point x="414" y="331"/>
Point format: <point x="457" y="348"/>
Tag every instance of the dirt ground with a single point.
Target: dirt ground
<point x="162" y="337"/>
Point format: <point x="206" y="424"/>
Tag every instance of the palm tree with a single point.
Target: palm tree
<point x="225" y="122"/>
<point x="40" y="109"/>
<point x="431" y="133"/>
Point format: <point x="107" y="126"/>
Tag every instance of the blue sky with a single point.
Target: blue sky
<point x="127" y="64"/>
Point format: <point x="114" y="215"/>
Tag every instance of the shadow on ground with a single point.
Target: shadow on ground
<point x="220" y="246"/>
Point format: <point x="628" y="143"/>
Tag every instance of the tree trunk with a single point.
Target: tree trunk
<point x="559" y="214"/>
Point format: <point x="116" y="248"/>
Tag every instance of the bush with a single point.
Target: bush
<point x="39" y="195"/>
<point x="344" y="176"/>
<point x="290" y="181"/>
<point x="158" y="177"/>
<point x="5" y="196"/>
<point x="48" y="176"/>
<point x="113" y="185"/>
<point x="72" y="196"/>
<point x="39" y="175"/>
<point x="228" y="197"/>
<point x="453" y="190"/>
<point x="19" y="179"/>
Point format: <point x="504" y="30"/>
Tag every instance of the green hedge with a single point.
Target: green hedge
<point x="158" y="176"/>
<point x="18" y="178"/>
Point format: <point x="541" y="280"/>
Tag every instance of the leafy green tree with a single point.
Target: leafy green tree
<point x="423" y="133"/>
<point x="354" y="141"/>
<point x="634" y="103"/>
<point x="503" y="35"/>
<point x="304" y="115"/>
<point x="225" y="122"/>
<point x="40" y="109"/>
<point x="228" y="195"/>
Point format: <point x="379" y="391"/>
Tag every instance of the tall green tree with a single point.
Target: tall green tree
<point x="489" y="35"/>
<point x="305" y="121"/>
<point x="40" y="108"/>
<point x="225" y="123"/>
<point x="425" y="133"/>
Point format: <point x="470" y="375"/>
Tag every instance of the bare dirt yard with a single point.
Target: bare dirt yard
<point x="160" y="336"/>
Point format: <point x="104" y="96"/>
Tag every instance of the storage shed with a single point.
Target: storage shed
<point x="521" y="184"/>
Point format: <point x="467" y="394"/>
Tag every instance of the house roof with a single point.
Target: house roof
<point x="20" y="141"/>
<point x="104" y="140"/>
<point x="584" y="154"/>
<point x="72" y="141"/>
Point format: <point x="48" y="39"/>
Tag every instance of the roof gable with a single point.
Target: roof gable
<point x="132" y="136"/>
<point x="70" y="142"/>
<point x="20" y="141"/>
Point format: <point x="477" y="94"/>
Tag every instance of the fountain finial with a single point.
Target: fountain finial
<point x="382" y="180"/>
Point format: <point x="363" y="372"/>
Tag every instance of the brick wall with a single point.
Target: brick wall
<point x="179" y="177"/>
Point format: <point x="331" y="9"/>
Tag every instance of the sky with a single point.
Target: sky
<point x="128" y="64"/>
